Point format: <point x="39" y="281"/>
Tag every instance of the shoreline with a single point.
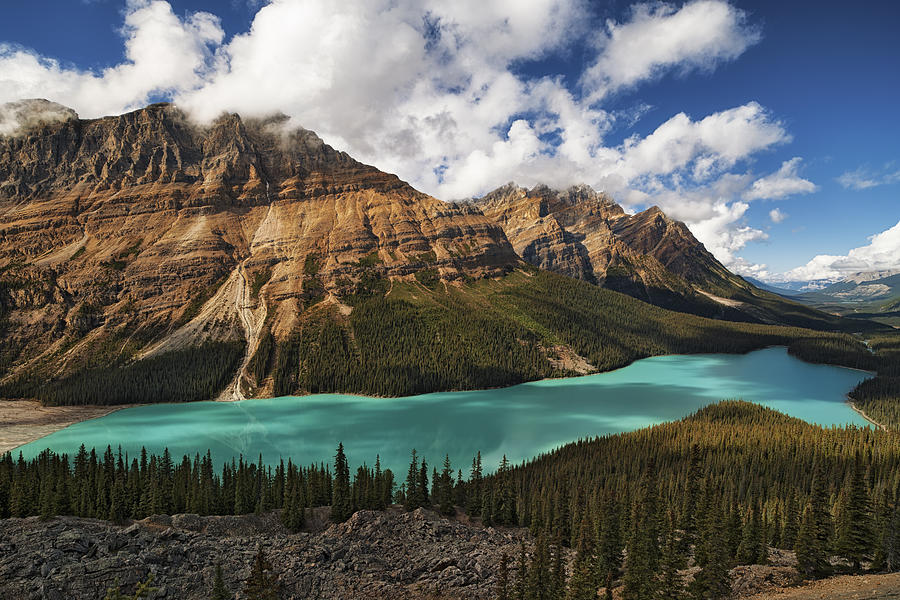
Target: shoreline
<point x="19" y="425"/>
<point x="863" y="414"/>
<point x="24" y="421"/>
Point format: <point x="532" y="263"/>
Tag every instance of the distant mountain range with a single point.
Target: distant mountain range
<point x="783" y="290"/>
<point x="860" y="287"/>
<point x="146" y="243"/>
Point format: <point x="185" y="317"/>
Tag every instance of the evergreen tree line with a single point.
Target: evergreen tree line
<point x="181" y="376"/>
<point x="880" y="397"/>
<point x="719" y="488"/>
<point x="117" y="487"/>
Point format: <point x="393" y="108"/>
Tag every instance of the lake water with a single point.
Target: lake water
<point x="519" y="421"/>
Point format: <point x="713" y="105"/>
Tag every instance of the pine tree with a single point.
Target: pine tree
<point x="501" y="589"/>
<point x="891" y="543"/>
<point x="341" y="502"/>
<point x="673" y="560"/>
<point x="691" y="498"/>
<point x="791" y="523"/>
<point x="777" y="531"/>
<point x="540" y="578"/>
<point x="219" y="590"/>
<point x="520" y="591"/>
<point x="854" y="535"/>
<point x="752" y="549"/>
<point x="557" y="572"/>
<point x="609" y="547"/>
<point x="414" y="498"/>
<point x="261" y="584"/>
<point x="473" y="491"/>
<point x="294" y="512"/>
<point x="712" y="582"/>
<point x="812" y="555"/>
<point x="422" y="484"/>
<point x="642" y="550"/>
<point x="815" y="531"/>
<point x="445" y="489"/>
<point x="582" y="583"/>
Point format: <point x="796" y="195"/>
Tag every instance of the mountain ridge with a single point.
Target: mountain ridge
<point x="130" y="242"/>
<point x="585" y="234"/>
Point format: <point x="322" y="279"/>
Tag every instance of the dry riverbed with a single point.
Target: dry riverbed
<point x="23" y="421"/>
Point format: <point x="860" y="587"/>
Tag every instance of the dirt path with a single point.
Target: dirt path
<point x="864" y="587"/>
<point x="863" y="414"/>
<point x="23" y="421"/>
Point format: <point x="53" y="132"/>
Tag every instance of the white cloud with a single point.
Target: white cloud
<point x="880" y="254"/>
<point x="777" y="215"/>
<point x="864" y="178"/>
<point x="781" y="184"/>
<point x="431" y="91"/>
<point x="660" y="37"/>
<point x="163" y="54"/>
<point x="712" y="144"/>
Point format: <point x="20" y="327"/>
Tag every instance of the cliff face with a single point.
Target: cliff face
<point x="585" y="234"/>
<point x="133" y="237"/>
<point x="149" y="231"/>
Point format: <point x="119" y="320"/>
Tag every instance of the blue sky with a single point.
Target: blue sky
<point x="787" y="106"/>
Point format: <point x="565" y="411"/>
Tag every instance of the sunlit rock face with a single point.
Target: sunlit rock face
<point x="158" y="233"/>
<point x="585" y="234"/>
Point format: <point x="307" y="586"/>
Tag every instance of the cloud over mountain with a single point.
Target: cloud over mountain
<point x="433" y="91"/>
<point x="882" y="253"/>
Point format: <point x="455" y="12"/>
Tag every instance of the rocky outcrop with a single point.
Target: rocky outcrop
<point x="389" y="555"/>
<point x="583" y="233"/>
<point x="145" y="233"/>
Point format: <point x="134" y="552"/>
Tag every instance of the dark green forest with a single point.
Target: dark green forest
<point x="501" y="332"/>
<point x="182" y="376"/>
<point x="719" y="488"/>
<point x="880" y="397"/>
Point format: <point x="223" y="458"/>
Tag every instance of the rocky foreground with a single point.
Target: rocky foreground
<point x="390" y="555"/>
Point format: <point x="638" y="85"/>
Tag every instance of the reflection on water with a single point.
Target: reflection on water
<point x="519" y="421"/>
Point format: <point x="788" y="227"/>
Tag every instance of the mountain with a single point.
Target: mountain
<point x="584" y="234"/>
<point x="781" y="291"/>
<point x="144" y="234"/>
<point x="146" y="258"/>
<point x="860" y="287"/>
<point x="871" y="295"/>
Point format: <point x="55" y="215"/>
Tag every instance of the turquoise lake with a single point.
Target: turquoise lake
<point x="520" y="421"/>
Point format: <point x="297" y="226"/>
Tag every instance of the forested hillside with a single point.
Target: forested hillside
<point x="716" y="489"/>
<point x="880" y="397"/>
<point x="425" y="336"/>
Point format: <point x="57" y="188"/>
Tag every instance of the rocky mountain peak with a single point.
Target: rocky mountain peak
<point x="23" y="116"/>
<point x="148" y="221"/>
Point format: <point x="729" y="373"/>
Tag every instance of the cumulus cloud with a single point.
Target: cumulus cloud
<point x="781" y="184"/>
<point x="432" y="91"/>
<point x="864" y="178"/>
<point x="882" y="253"/>
<point x="712" y="144"/>
<point x="777" y="215"/>
<point x="660" y="37"/>
<point x="163" y="53"/>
